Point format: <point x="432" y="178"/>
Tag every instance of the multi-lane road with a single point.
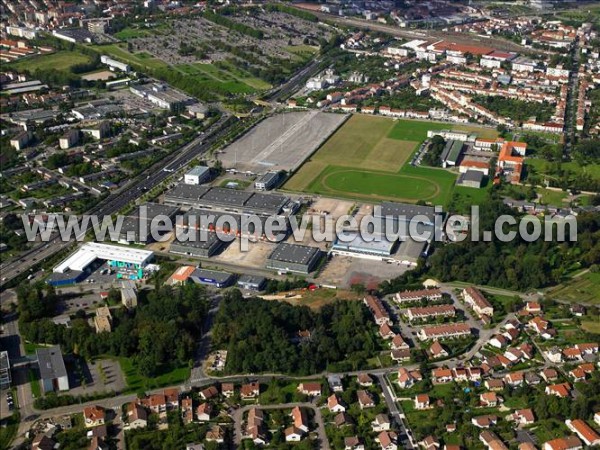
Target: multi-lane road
<point x="150" y="178"/>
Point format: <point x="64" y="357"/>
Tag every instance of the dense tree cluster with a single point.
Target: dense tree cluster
<point x="233" y="25"/>
<point x="262" y="336"/>
<point x="434" y="152"/>
<point x="291" y="11"/>
<point x="160" y="334"/>
<point x="517" y="264"/>
<point x="518" y="110"/>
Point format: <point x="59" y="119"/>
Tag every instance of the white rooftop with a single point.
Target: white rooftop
<point x="91" y="251"/>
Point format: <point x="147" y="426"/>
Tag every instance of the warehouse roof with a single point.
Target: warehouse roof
<point x="198" y="171"/>
<point x="293" y="253"/>
<point x="216" y="275"/>
<point x="406" y="210"/>
<point x="91" y="251"/>
<point x="51" y="363"/>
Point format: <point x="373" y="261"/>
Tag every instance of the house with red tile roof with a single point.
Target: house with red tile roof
<point x="250" y="390"/>
<point x="562" y="390"/>
<point x="94" y="416"/>
<point x="312" y="389"/>
<point x="563" y="443"/>
<point x="586" y="433"/>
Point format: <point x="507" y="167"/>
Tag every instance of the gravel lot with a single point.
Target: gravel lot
<point x="281" y="142"/>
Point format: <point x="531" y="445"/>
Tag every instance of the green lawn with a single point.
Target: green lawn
<point x="140" y="59"/>
<point x="366" y="159"/>
<point x="137" y="382"/>
<point x="542" y="166"/>
<point x="60" y="61"/>
<point x="35" y="384"/>
<point x="8" y="432"/>
<point x="131" y="33"/>
<point x="591" y="326"/>
<point x="583" y="289"/>
<point x="207" y="73"/>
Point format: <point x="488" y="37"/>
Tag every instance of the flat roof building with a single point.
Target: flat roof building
<point x="359" y="247"/>
<point x="268" y="181"/>
<point x="294" y="258"/>
<point x="128" y="262"/>
<point x="5" y="377"/>
<point x="212" y="277"/>
<point x="252" y="282"/>
<point x="53" y="373"/>
<point x="229" y="200"/>
<point x="203" y="248"/>
<point x="471" y="178"/>
<point x="197" y="175"/>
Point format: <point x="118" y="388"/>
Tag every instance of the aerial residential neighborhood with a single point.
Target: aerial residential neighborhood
<point x="334" y="224"/>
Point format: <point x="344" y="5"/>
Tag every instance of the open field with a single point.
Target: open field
<point x="139" y="59"/>
<point x="367" y="159"/>
<point x="60" y="61"/>
<point x="541" y="167"/>
<point x="235" y="81"/>
<point x="591" y="326"/>
<point x="137" y="382"/>
<point x="281" y="142"/>
<point x="581" y="289"/>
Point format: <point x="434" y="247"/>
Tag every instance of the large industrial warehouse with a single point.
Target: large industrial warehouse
<point x="128" y="263"/>
<point x="229" y="200"/>
<point x="294" y="258"/>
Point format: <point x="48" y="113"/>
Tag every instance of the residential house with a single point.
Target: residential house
<point x="398" y="343"/>
<point x="563" y="443"/>
<point x="187" y="410"/>
<point x="335" y="383"/>
<point x="228" y="390"/>
<point x="492" y="441"/>
<point x="522" y="417"/>
<point x="422" y="401"/>
<point x="208" y="393"/>
<point x="437" y="351"/>
<point x="137" y="417"/>
<point x="562" y="390"/>
<point x="386" y="332"/>
<point x="364" y="380"/>
<point x="334" y="404"/>
<point x="353" y="443"/>
<point x="365" y="400"/>
<point x="484" y="421"/>
<point x="299" y="417"/>
<point x="203" y="412"/>
<point x="388" y="440"/>
<point x="250" y="390"/>
<point x="489" y="399"/>
<point x="293" y="434"/>
<point x="215" y="434"/>
<point x="381" y="423"/>
<point x="157" y="403"/>
<point x="312" y="389"/>
<point x="475" y="299"/>
<point x="94" y="416"/>
<point x="586" y="433"/>
<point x="494" y="384"/>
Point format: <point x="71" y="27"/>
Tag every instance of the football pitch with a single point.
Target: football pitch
<point x="368" y="159"/>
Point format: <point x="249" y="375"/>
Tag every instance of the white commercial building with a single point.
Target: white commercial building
<point x="92" y="251"/>
<point x="197" y="175"/>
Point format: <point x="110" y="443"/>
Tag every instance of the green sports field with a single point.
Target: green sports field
<point x="60" y="61"/>
<point x="367" y="159"/>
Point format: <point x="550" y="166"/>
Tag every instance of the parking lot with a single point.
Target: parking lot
<point x="281" y="142"/>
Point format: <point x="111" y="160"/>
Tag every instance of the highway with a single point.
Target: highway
<point x="150" y="178"/>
